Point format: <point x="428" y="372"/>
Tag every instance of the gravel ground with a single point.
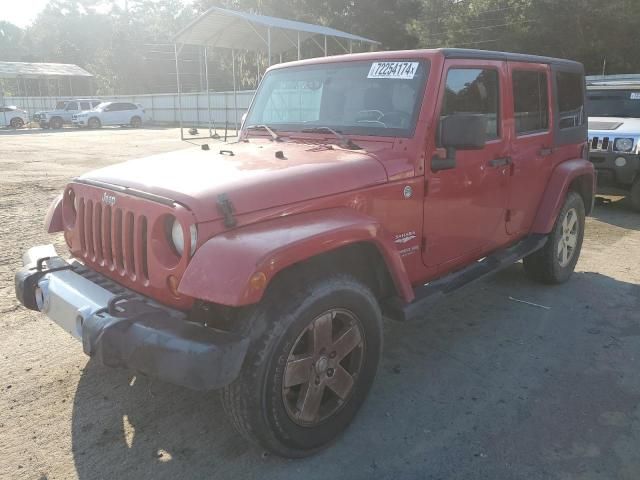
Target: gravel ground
<point x="483" y="388"/>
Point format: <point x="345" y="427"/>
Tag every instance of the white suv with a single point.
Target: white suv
<point x="12" y="117"/>
<point x="112" y="113"/>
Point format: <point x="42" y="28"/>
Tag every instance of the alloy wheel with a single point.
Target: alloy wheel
<point x="323" y="367"/>
<point x="569" y="237"/>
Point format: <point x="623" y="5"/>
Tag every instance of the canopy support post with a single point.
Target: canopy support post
<point x="350" y="46"/>
<point x="235" y="92"/>
<point x="206" y="75"/>
<point x="269" y="46"/>
<point x="70" y="87"/>
<point x="325" y="45"/>
<point x="175" y="49"/>
<point x="298" y="45"/>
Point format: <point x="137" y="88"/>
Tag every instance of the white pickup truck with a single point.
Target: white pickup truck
<point x="65" y="111"/>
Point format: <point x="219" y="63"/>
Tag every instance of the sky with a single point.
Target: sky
<point x="24" y="12"/>
<point x="21" y="13"/>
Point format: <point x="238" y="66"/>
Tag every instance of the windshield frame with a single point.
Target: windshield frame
<point x="365" y="131"/>
<point x="619" y="93"/>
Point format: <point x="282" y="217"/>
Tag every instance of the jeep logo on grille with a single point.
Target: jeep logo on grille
<point x="108" y="199"/>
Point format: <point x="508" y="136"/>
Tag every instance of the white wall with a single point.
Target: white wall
<point x="163" y="108"/>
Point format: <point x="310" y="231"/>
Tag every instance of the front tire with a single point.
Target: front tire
<point x="136" y="122"/>
<point x="556" y="261"/>
<point x="310" y="369"/>
<point x="56" y="123"/>
<point x="94" y="122"/>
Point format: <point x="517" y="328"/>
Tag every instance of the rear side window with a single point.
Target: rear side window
<point x="570" y="99"/>
<point x="473" y="91"/>
<point x="531" y="101"/>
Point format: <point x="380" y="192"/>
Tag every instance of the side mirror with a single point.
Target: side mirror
<point x="460" y="132"/>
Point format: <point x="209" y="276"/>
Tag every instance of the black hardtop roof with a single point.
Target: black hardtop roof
<point x="462" y="53"/>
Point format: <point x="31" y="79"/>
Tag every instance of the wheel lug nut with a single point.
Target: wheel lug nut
<point x="332" y="355"/>
<point x="330" y="372"/>
<point x="317" y="381"/>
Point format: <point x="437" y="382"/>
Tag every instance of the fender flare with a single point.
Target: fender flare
<point x="221" y="269"/>
<point x="557" y="187"/>
<point x="53" y="219"/>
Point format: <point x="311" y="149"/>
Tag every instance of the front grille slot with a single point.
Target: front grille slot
<point x="600" y="143"/>
<point x="128" y="242"/>
<point x="116" y="235"/>
<point x="113" y="238"/>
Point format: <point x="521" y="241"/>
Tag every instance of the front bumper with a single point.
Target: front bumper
<point x="79" y="122"/>
<point x="611" y="175"/>
<point x="120" y="328"/>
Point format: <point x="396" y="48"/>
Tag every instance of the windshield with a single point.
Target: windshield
<point x="61" y="105"/>
<point x="362" y="98"/>
<point x="613" y="103"/>
<point x="101" y="106"/>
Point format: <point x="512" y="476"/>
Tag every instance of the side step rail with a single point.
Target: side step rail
<point x="430" y="292"/>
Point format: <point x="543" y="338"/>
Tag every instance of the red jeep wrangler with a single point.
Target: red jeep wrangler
<point x="362" y="186"/>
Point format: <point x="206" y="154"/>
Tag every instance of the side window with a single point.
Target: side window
<point x="129" y="106"/>
<point x="570" y="87"/>
<point x="95" y="103"/>
<point x="473" y="91"/>
<point x="85" y="106"/>
<point x="531" y="101"/>
<point x="71" y="106"/>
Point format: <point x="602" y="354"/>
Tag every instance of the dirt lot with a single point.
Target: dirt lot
<point x="483" y="388"/>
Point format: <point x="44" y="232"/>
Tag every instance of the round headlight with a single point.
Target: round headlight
<point x="623" y="144"/>
<point x="177" y="237"/>
<point x="620" y="162"/>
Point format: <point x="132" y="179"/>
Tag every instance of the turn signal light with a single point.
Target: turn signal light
<point x="258" y="281"/>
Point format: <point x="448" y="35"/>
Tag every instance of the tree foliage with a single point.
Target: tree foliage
<point x="129" y="50"/>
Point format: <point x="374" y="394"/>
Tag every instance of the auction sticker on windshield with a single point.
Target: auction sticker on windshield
<point x="401" y="70"/>
<point x="635" y="95"/>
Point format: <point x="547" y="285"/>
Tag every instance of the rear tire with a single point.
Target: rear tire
<point x="286" y="397"/>
<point x="136" y="122"/>
<point x="94" y="122"/>
<point x="634" y="195"/>
<point x="16" y="122"/>
<point x="556" y="261"/>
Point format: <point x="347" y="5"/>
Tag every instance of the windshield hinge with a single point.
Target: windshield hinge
<point x="226" y="209"/>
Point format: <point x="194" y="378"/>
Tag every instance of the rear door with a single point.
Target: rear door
<point x="532" y="145"/>
<point x="3" y="117"/>
<point x="464" y="208"/>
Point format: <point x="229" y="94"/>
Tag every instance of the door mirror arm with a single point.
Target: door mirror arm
<point x="439" y="163"/>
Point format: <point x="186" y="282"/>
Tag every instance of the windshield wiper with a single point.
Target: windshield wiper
<point x="274" y="135"/>
<point x="345" y="142"/>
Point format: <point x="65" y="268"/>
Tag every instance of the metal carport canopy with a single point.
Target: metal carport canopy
<point x="40" y="70"/>
<point x="222" y="28"/>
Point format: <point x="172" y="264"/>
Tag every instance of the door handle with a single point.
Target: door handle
<point x="545" y="152"/>
<point x="500" y="162"/>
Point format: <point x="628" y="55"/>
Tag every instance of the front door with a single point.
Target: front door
<point x="465" y="207"/>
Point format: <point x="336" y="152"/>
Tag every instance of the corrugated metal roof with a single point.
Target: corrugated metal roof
<point x="219" y="27"/>
<point x="39" y="70"/>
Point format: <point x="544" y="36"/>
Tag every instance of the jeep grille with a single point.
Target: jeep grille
<point x="114" y="238"/>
